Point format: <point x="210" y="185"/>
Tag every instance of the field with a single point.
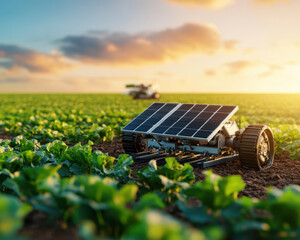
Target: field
<point x="64" y="174"/>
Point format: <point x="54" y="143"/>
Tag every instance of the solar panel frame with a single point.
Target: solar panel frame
<point x="213" y="123"/>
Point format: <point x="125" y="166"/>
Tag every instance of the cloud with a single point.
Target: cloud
<point x="271" y="69"/>
<point x="238" y="66"/>
<point x="292" y="62"/>
<point x="231" y="45"/>
<point x="251" y="68"/>
<point x="36" y="62"/>
<point x="142" y="48"/>
<point x="234" y="67"/>
<point x="214" y="4"/>
<point x="268" y="2"/>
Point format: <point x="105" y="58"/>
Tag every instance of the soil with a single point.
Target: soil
<point x="39" y="226"/>
<point x="6" y="136"/>
<point x="283" y="172"/>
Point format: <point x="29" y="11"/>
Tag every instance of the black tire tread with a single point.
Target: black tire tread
<point x="128" y="141"/>
<point x="248" y="146"/>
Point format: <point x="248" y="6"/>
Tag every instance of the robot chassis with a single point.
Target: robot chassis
<point x="254" y="146"/>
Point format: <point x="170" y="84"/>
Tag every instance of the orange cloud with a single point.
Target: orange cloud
<point x="214" y="4"/>
<point x="238" y="66"/>
<point x="33" y="61"/>
<point x="261" y="69"/>
<point x="268" y="2"/>
<point x="142" y="48"/>
<point x="231" y="67"/>
<point x="231" y="45"/>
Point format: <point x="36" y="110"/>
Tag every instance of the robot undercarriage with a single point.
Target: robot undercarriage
<point x="254" y="146"/>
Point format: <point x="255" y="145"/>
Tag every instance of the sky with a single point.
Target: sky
<point x="99" y="46"/>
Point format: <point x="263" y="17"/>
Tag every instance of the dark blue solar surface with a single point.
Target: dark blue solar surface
<point x="189" y="120"/>
<point x="150" y="117"/>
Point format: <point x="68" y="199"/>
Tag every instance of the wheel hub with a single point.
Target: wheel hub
<point x="264" y="148"/>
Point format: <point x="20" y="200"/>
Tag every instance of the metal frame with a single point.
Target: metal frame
<point x="196" y="160"/>
<point x="192" y="149"/>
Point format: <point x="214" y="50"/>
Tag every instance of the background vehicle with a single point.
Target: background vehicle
<point x="141" y="91"/>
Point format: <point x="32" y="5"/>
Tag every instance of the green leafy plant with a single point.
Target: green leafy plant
<point x="283" y="207"/>
<point x="216" y="192"/>
<point x="169" y="180"/>
<point x="32" y="181"/>
<point x="287" y="138"/>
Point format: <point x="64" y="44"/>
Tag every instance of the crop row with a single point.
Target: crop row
<point x="99" y="194"/>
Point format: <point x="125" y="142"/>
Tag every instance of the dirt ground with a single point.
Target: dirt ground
<point x="283" y="172"/>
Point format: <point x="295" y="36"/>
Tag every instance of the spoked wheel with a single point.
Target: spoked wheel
<point x="134" y="143"/>
<point x="257" y="147"/>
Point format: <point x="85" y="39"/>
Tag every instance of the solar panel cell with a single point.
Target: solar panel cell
<point x="156" y="106"/>
<point x="131" y="127"/>
<point x="198" y="107"/>
<point x="173" y="118"/>
<point x="227" y="109"/>
<point x="144" y="128"/>
<point x="181" y="124"/>
<point x="197" y="123"/>
<point x="210" y="126"/>
<point x="215" y="121"/>
<point x="160" y="129"/>
<point x="220" y="116"/>
<point x="148" y="112"/>
<point x="212" y="108"/>
<point x="190" y="115"/>
<point x="167" y="123"/>
<point x="185" y="107"/>
<point x="187" y="132"/>
<point x="205" y="115"/>
<point x="202" y="134"/>
<point x="173" y="131"/>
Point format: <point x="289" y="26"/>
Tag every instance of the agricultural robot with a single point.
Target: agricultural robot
<point x="142" y="91"/>
<point x="200" y="134"/>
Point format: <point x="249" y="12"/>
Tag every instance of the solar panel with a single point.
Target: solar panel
<point x="192" y="121"/>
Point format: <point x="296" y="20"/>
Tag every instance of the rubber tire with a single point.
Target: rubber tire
<point x="249" y="150"/>
<point x="133" y="143"/>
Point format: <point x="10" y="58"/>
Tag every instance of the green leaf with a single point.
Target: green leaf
<point x="194" y="214"/>
<point x="149" y="201"/>
<point x="11" y="184"/>
<point x="231" y="185"/>
<point x="76" y="169"/>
